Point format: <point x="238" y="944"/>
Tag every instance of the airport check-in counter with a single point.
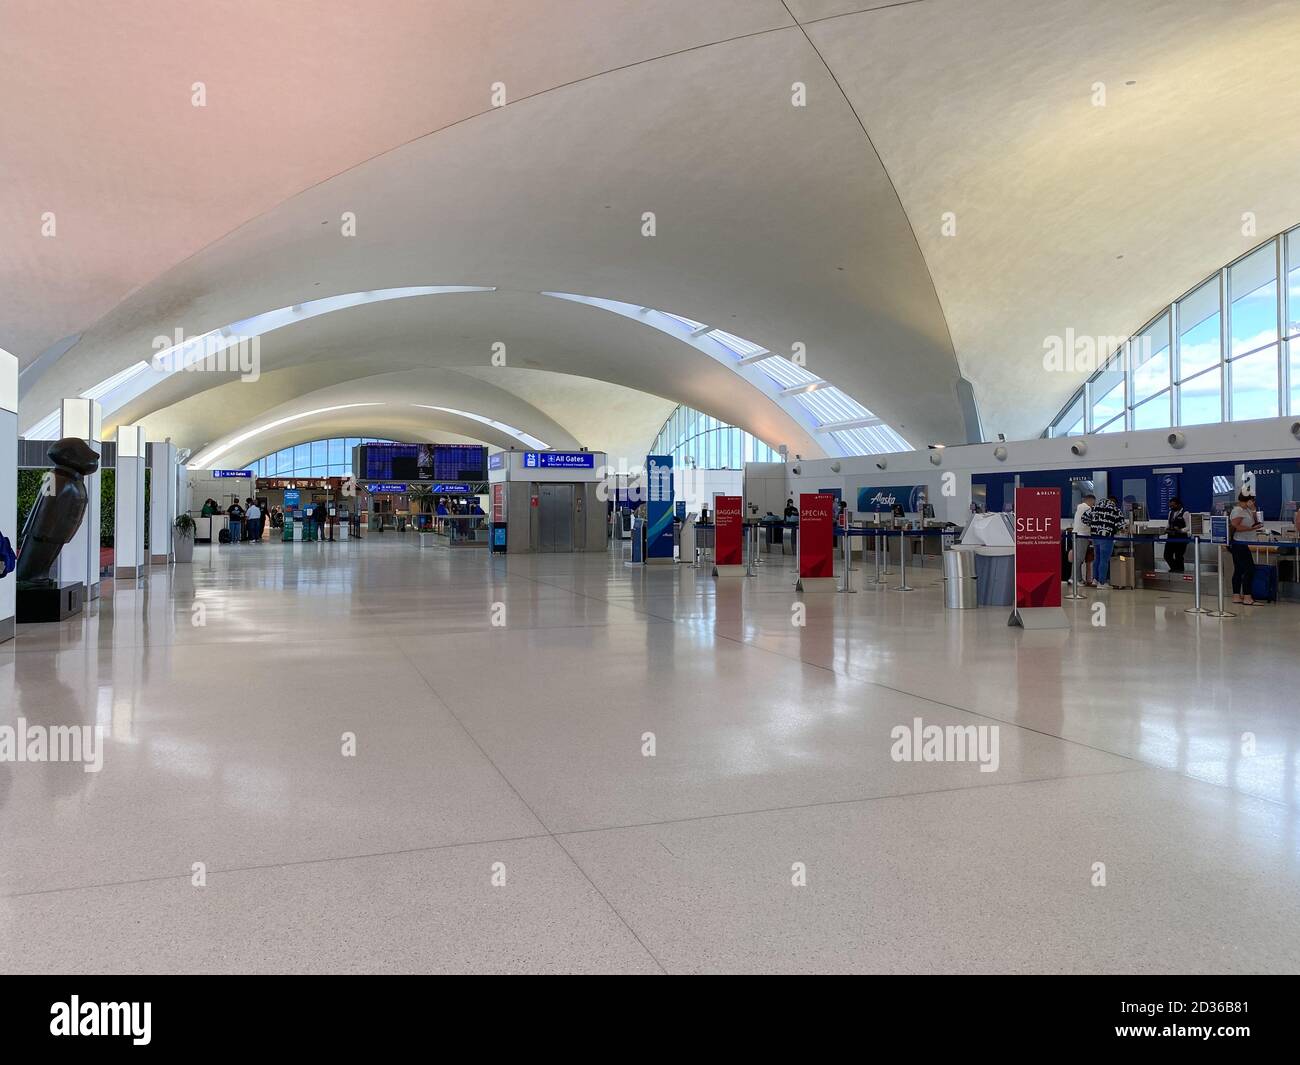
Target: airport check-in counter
<point x="1145" y="544"/>
<point x="208" y="530"/>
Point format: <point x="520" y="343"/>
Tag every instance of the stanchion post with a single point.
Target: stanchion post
<point x="1074" y="592"/>
<point x="876" y="551"/>
<point x="1220" y="613"/>
<point x="1196" y="607"/>
<point x="903" y="586"/>
<point x="846" y="585"/>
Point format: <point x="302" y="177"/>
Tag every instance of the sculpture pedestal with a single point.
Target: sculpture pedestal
<point x="45" y="603"/>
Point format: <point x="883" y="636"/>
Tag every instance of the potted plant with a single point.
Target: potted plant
<point x="183" y="541"/>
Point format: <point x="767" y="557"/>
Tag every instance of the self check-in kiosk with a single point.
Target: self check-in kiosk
<point x="547" y="501"/>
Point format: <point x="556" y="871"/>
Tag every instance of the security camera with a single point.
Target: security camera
<point x="835" y="467"/>
<point x="1078" y="448"/>
<point x="1295" y="429"/>
<point x="796" y="470"/>
<point x="1000" y="453"/>
<point x="1176" y="440"/>
<point x="881" y="464"/>
<point x="936" y="457"/>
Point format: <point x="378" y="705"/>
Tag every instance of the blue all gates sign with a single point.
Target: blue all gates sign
<point x="659" y="506"/>
<point x="559" y="460"/>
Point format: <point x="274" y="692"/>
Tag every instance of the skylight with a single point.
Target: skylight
<point x="743" y="348"/>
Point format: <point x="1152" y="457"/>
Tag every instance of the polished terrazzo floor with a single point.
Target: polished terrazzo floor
<point x="499" y="813"/>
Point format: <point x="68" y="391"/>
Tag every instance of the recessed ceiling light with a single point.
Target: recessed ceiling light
<point x="1119" y="256"/>
<point x="1130" y="83"/>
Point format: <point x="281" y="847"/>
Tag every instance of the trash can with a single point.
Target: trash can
<point x="959" y="579"/>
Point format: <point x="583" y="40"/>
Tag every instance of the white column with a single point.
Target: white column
<point x="8" y="482"/>
<point x="78" y="562"/>
<point x="162" y="501"/>
<point x="128" y="504"/>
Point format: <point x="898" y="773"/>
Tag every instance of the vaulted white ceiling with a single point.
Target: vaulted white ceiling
<point x="810" y="229"/>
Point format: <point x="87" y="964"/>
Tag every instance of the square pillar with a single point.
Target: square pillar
<point x="128" y="504"/>
<point x="8" y="483"/>
<point x="162" y="501"/>
<point x="78" y="562"/>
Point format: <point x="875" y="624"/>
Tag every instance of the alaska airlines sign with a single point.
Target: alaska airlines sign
<point x="911" y="497"/>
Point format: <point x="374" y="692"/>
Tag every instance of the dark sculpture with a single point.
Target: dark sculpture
<point x="59" y="510"/>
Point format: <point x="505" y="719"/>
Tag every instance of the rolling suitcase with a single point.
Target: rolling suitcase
<point x="1123" y="571"/>
<point x="1264" y="586"/>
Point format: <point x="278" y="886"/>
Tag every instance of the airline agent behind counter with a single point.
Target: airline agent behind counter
<point x="1175" y="552"/>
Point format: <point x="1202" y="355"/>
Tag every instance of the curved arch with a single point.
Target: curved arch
<point x="827" y="414"/>
<point x="810" y="401"/>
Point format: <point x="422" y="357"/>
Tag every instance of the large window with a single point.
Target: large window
<point x="708" y="444"/>
<point x="316" y="458"/>
<point x="1229" y="348"/>
<point x="1107" y="390"/>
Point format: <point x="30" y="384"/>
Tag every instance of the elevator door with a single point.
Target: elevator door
<point x="555" y="517"/>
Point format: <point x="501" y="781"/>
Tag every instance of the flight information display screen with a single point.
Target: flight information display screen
<point x="425" y="462"/>
<point x="453" y="462"/>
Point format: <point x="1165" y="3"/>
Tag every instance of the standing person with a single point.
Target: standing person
<point x="1241" y="522"/>
<point x="1175" y="552"/>
<point x="1083" y="549"/>
<point x="791" y="511"/>
<point x="236" y="513"/>
<point x="1104" y="520"/>
<point x="254" y="513"/>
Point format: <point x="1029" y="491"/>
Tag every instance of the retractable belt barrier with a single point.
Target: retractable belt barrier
<point x="902" y="534"/>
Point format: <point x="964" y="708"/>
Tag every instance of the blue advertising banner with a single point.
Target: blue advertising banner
<point x="911" y="497"/>
<point x="659" y="506"/>
<point x="559" y="460"/>
<point x="497" y="460"/>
